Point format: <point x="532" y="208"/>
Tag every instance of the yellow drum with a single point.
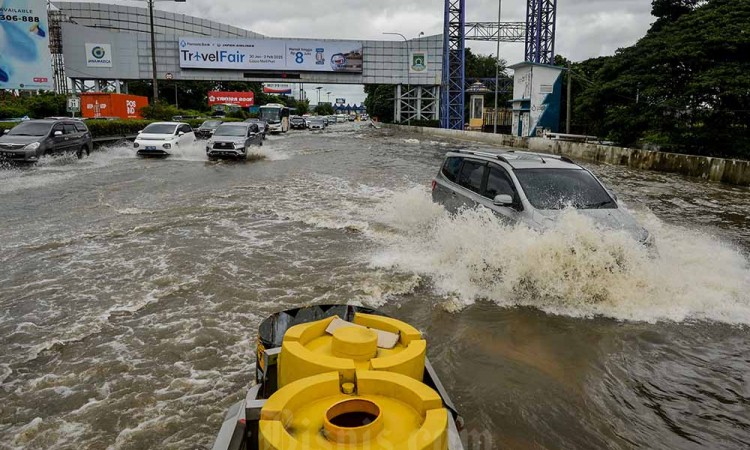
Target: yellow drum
<point x="377" y="410"/>
<point x="370" y="343"/>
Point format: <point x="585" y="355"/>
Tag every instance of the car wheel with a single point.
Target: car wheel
<point x="81" y="151"/>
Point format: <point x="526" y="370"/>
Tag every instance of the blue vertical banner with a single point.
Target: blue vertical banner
<point x="25" y="61"/>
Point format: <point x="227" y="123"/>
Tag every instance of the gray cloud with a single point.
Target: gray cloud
<point x="585" y="28"/>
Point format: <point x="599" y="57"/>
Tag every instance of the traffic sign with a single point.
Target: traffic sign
<point x="169" y="76"/>
<point x="74" y="104"/>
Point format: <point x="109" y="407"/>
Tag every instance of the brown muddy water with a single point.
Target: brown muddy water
<point x="130" y="293"/>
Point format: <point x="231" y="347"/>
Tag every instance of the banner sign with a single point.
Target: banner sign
<point x="25" y="61"/>
<point x="277" y="88"/>
<point x="418" y="62"/>
<point x="270" y="54"/>
<point x="340" y="101"/>
<point x="98" y="55"/>
<point x="243" y="99"/>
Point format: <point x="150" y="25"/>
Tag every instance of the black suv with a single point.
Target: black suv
<point x="297" y="123"/>
<point x="30" y="140"/>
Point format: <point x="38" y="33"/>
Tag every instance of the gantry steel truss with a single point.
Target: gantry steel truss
<point x="416" y="103"/>
<point x="540" y="31"/>
<point x="454" y="40"/>
<point x="487" y="31"/>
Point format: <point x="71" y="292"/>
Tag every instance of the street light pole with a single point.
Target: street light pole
<point x="318" y="89"/>
<point x="154" y="81"/>
<point x="408" y="77"/>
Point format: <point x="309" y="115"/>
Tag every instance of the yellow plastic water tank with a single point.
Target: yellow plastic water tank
<point x="378" y="410"/>
<point x="308" y="349"/>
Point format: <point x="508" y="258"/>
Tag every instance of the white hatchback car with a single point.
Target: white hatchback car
<point x="160" y="138"/>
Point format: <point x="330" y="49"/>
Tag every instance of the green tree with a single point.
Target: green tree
<point x="684" y="86"/>
<point x="324" y="109"/>
<point x="379" y="101"/>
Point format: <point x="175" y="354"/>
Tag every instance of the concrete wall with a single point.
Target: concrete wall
<point x="729" y="171"/>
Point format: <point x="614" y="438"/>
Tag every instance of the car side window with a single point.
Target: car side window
<point x="450" y="168"/>
<point x="187" y="129"/>
<point x="81" y="127"/>
<point x="498" y="183"/>
<point x="57" y="127"/>
<point x="471" y="175"/>
<point x="69" y="128"/>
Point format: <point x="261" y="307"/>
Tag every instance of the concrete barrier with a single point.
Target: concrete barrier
<point x="729" y="171"/>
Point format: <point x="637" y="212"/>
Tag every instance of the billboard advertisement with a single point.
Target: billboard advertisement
<point x="25" y="61"/>
<point x="243" y="99"/>
<point x="270" y="54"/>
<point x="340" y="101"/>
<point x="277" y="88"/>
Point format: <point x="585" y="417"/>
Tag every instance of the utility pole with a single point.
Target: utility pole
<point x="570" y="100"/>
<point x="153" y="52"/>
<point x="497" y="63"/>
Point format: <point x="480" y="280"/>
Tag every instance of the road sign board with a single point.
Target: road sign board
<point x="74" y="104"/>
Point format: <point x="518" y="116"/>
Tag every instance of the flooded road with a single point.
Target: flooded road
<point x="130" y="293"/>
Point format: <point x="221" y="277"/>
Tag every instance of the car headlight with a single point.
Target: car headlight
<point x="136" y="145"/>
<point x="32" y="146"/>
<point x="167" y="145"/>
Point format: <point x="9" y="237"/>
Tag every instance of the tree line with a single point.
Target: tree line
<point x="683" y="87"/>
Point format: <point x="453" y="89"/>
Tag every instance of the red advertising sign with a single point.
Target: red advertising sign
<point x="243" y="99"/>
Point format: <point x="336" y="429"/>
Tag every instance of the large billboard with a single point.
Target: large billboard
<point x="270" y="54"/>
<point x="25" y="61"/>
<point x="277" y="88"/>
<point x="243" y="99"/>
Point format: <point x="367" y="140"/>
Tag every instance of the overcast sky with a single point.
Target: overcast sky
<point x="585" y="28"/>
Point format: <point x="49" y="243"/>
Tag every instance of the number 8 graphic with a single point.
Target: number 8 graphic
<point x="299" y="58"/>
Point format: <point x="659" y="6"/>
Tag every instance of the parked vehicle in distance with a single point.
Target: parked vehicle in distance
<point x="351" y="118"/>
<point x="529" y="188"/>
<point x="232" y="140"/>
<point x="262" y="124"/>
<point x="207" y="128"/>
<point x="297" y="123"/>
<point x="32" y="139"/>
<point x="340" y="118"/>
<point x="161" y="138"/>
<point x="316" y="123"/>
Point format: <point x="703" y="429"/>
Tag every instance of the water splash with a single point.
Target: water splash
<point x="573" y="269"/>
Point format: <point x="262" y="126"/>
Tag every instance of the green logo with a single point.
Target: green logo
<point x="98" y="52"/>
<point x="418" y="61"/>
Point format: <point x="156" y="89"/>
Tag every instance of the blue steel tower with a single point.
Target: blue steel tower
<point x="540" y="49"/>
<point x="452" y="92"/>
<point x="540" y="31"/>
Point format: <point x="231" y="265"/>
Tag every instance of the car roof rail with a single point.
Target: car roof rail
<point x="484" y="154"/>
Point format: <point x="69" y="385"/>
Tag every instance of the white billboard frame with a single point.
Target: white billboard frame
<point x="296" y="55"/>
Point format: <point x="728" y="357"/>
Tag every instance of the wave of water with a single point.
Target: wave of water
<point x="574" y="269"/>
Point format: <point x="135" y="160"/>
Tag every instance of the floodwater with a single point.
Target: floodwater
<point x="130" y="293"/>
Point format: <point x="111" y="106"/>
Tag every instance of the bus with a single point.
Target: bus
<point x="277" y="116"/>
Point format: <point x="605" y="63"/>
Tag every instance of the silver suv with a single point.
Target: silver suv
<point x="529" y="188"/>
<point x="232" y="140"/>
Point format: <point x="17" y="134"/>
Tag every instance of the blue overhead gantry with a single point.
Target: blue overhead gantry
<point x="538" y="34"/>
